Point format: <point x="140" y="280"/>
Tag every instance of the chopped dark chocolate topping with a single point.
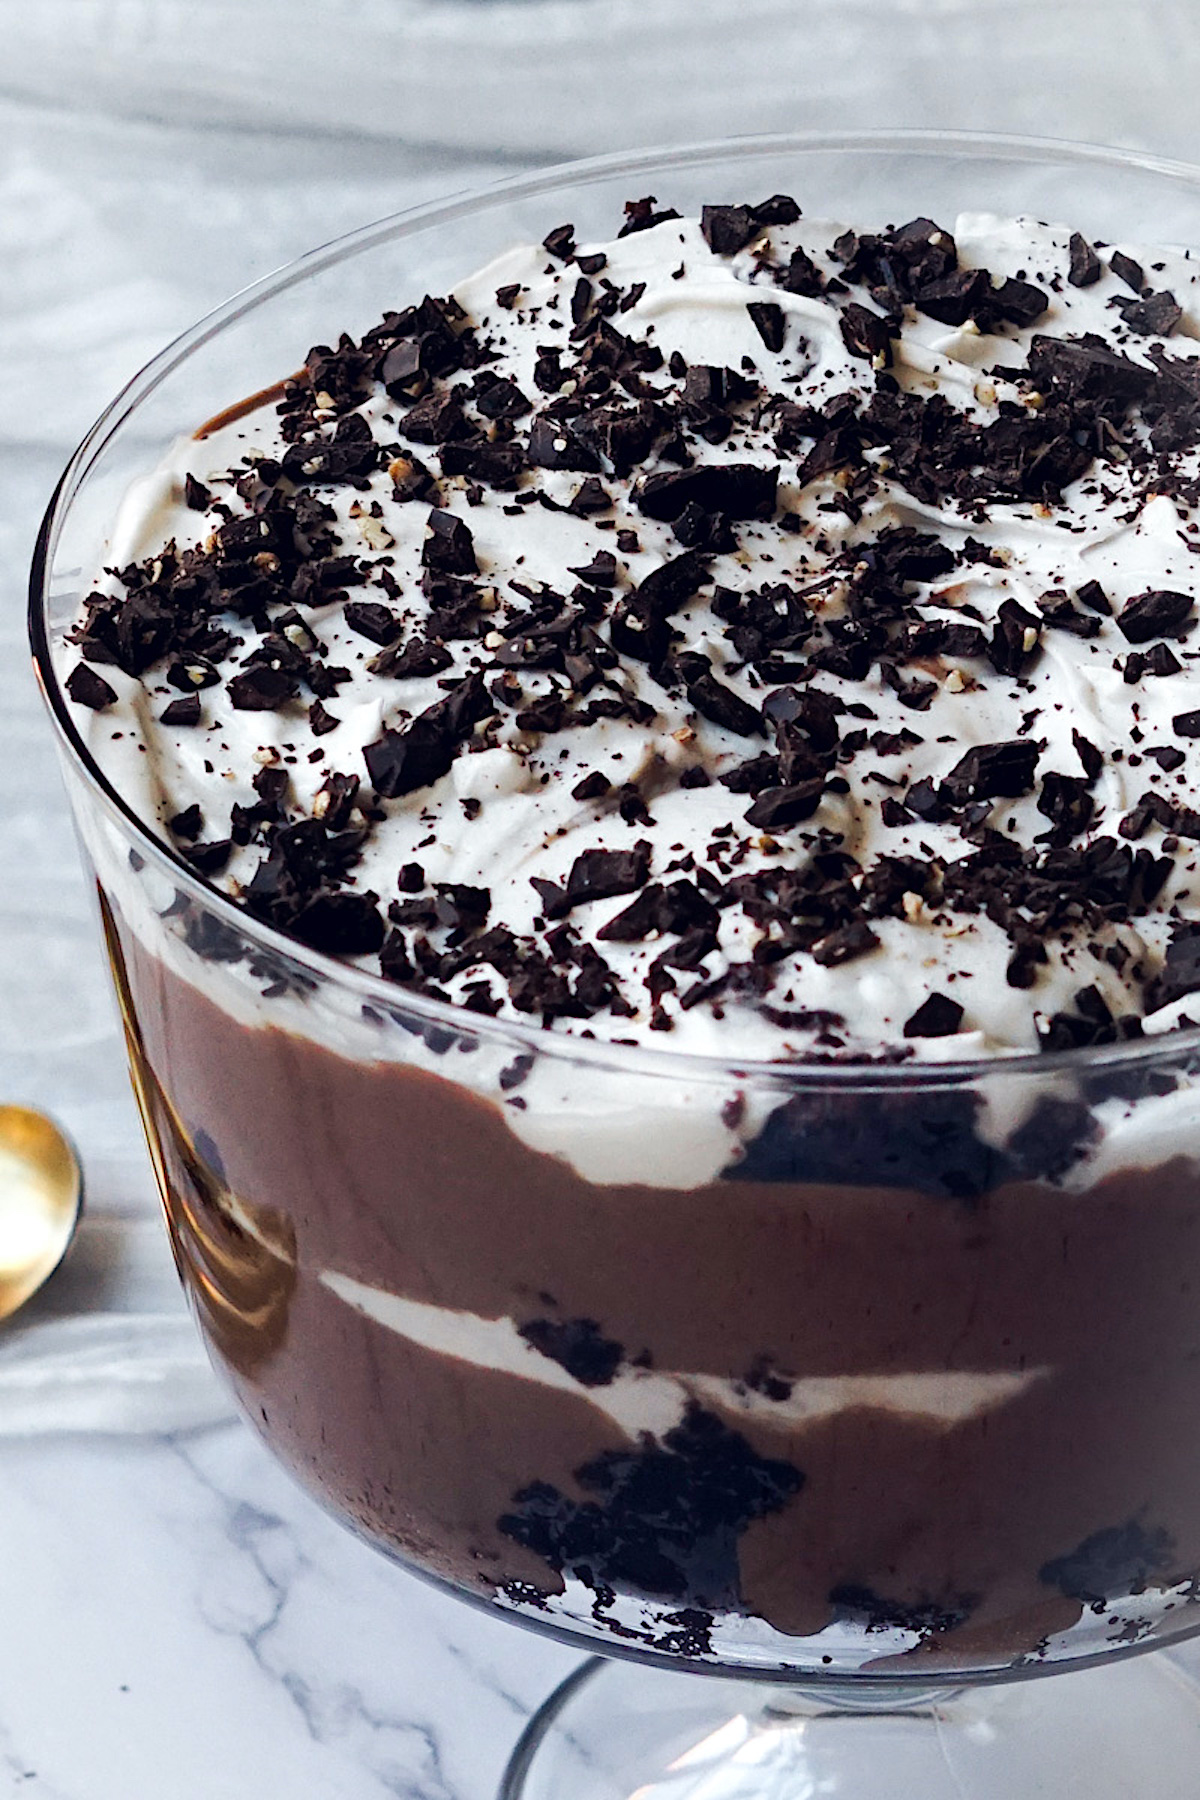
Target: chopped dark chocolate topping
<point x="937" y="1016"/>
<point x="867" y="334"/>
<point x="992" y="772"/>
<point x="186" y="711"/>
<point x="747" y="611"/>
<point x="728" y="228"/>
<point x="602" y="874"/>
<point x="1130" y="272"/>
<point x="88" y="689"/>
<point x="1157" y="613"/>
<point x="1085" y="266"/>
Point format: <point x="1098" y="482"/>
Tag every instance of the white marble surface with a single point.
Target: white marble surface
<point x="178" y="1620"/>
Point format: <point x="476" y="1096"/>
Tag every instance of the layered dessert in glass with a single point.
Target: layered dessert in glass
<point x="663" y="998"/>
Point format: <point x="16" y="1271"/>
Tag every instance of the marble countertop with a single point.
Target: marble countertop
<point x="178" y="1619"/>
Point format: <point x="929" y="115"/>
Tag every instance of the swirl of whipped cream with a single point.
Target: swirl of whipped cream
<point x="604" y="844"/>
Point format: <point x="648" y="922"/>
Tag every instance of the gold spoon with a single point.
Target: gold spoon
<point x="41" y="1198"/>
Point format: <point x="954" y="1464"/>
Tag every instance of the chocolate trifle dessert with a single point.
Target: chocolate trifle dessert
<point x="727" y="698"/>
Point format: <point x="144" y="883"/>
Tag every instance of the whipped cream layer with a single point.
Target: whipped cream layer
<point x="743" y="636"/>
<point x="641" y="1399"/>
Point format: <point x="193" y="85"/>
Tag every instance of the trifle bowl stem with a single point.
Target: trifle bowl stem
<point x="614" y="1731"/>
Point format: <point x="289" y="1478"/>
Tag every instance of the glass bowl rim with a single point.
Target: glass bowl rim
<point x="375" y="990"/>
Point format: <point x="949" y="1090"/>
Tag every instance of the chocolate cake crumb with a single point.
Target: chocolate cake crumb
<point x="662" y="1520"/>
<point x="928" y="1618"/>
<point x="1122" y="1559"/>
<point x="578" y="1345"/>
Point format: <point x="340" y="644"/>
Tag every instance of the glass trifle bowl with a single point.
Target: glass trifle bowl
<point x="872" y="1388"/>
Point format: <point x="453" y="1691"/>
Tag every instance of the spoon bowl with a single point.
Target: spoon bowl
<point x="41" y="1199"/>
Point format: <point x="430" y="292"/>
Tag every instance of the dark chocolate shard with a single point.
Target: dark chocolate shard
<point x="436" y="419"/>
<point x="992" y="772"/>
<point x="644" y="214"/>
<point x="340" y="924"/>
<point x="187" y="824"/>
<point x="184" y="711"/>
<point x="1066" y="802"/>
<point x="1085" y="266"/>
<point x="1129" y="271"/>
<point x="1156" y="315"/>
<point x="845" y="944"/>
<point x="715" y="701"/>
<point x="803" y="276"/>
<point x="781" y="807"/>
<point x="449" y="547"/>
<point x="210" y="858"/>
<point x="1093" y="596"/>
<point x="1180" y="973"/>
<point x="679" y="907"/>
<point x="499" y="399"/>
<point x="937" y="1016"/>
<point x="708" y="531"/>
<point x="1016" y="639"/>
<point x="739" y="490"/>
<point x="560" y="242"/>
<point x="600" y="572"/>
<point x="1020" y="302"/>
<point x="1086" y="368"/>
<point x="592" y="786"/>
<point x="867" y="334"/>
<point x="728" y="228"/>
<point x="1059" y="611"/>
<point x="553" y="444"/>
<point x="462" y="908"/>
<point x="372" y="620"/>
<point x="591" y="497"/>
<point x="672" y="582"/>
<point x="414" y="659"/>
<point x="349" y="456"/>
<point x="261" y="688"/>
<point x="87" y="688"/>
<point x="767" y="317"/>
<point x="603" y="874"/>
<point x="953" y="298"/>
<point x="399" y="762"/>
<point x="495" y="465"/>
<point x="1159" y="612"/>
<point x="641" y="631"/>
<point x="779" y="209"/>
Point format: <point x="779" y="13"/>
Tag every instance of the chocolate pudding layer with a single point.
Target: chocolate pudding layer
<point x="794" y="1423"/>
<point x="719" y="704"/>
